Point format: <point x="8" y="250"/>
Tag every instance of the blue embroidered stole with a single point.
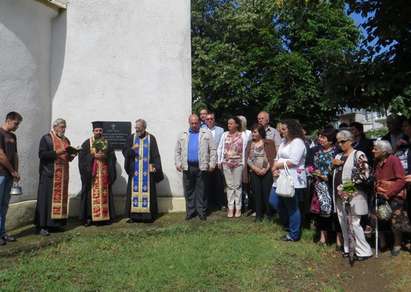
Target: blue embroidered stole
<point x="140" y="185"/>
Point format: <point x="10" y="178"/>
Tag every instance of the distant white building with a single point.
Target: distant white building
<point x="370" y="120"/>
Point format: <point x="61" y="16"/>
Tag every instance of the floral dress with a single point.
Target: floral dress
<point x="322" y="161"/>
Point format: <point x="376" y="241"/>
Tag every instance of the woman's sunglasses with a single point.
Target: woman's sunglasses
<point x="342" y="141"/>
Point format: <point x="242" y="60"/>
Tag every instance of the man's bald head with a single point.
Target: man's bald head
<point x="194" y="122"/>
<point x="263" y="118"/>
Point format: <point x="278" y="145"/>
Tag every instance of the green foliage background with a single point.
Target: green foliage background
<point x="291" y="58"/>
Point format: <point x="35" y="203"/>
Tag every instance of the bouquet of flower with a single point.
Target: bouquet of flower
<point x="347" y="190"/>
<point x="311" y="170"/>
<point x="100" y="145"/>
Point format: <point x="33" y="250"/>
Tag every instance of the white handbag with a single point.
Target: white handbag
<point x="285" y="184"/>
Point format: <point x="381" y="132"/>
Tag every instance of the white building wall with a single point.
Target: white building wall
<point x="124" y="60"/>
<point x="25" y="33"/>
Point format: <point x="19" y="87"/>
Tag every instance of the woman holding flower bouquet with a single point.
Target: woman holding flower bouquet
<point x="350" y="169"/>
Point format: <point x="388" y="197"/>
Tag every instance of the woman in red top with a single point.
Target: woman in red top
<point x="390" y="186"/>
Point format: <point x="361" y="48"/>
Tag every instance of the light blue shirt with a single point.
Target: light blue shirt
<point x="217" y="132"/>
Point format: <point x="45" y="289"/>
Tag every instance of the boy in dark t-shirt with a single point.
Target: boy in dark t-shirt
<point x="8" y="168"/>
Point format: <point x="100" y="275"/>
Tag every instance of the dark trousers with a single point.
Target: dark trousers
<point x="215" y="190"/>
<point x="323" y="223"/>
<point x="194" y="191"/>
<point x="261" y="188"/>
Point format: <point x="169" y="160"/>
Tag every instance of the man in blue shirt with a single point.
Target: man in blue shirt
<point x="195" y="156"/>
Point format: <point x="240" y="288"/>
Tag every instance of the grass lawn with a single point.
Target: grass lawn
<point x="173" y="255"/>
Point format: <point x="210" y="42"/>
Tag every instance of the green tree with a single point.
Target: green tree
<point x="291" y="58"/>
<point x="385" y="61"/>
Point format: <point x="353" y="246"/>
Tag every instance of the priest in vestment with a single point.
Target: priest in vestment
<point x="97" y="164"/>
<point x="142" y="163"/>
<point x="55" y="153"/>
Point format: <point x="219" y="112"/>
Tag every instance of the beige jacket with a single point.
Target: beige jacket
<point x="359" y="205"/>
<point x="207" y="154"/>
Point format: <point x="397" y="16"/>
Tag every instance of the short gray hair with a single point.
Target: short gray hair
<point x="58" y="122"/>
<point x="383" y="145"/>
<point x="346" y="135"/>
<point x="143" y="122"/>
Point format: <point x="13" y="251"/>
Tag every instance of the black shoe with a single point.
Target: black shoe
<point x="203" y="218"/>
<point x="2" y="242"/>
<point x="361" y="259"/>
<point x="189" y="217"/>
<point x="287" y="238"/>
<point x="9" y="238"/>
<point x="88" y="223"/>
<point x="339" y="248"/>
<point x="44" y="232"/>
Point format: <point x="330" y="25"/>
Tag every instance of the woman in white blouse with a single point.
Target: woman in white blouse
<point x="292" y="152"/>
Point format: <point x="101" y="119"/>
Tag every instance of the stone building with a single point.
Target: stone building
<point x="85" y="60"/>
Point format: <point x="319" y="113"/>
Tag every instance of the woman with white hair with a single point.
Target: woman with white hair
<point x="350" y="166"/>
<point x="390" y="187"/>
<point x="243" y="120"/>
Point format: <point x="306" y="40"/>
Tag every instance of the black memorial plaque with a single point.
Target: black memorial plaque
<point x="116" y="133"/>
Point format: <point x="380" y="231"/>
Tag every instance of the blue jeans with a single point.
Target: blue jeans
<point x="289" y="212"/>
<point x="5" y="186"/>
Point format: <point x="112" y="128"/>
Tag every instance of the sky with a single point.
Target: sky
<point x="359" y="20"/>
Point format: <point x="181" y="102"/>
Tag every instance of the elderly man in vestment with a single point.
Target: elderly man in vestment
<point x="97" y="165"/>
<point x="142" y="163"/>
<point x="55" y="153"/>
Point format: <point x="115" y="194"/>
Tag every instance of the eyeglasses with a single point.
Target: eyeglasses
<point x="342" y="141"/>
